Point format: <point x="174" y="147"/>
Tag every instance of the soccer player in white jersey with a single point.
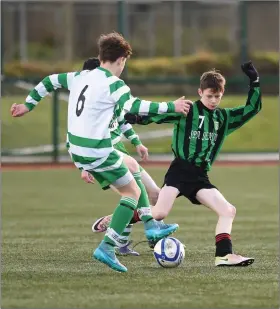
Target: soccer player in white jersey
<point x="151" y="187"/>
<point x="96" y="99"/>
<point x="119" y="128"/>
<point x="126" y="129"/>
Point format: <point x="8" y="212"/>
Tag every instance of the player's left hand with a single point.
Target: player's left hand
<point x="87" y="177"/>
<point x="18" y="110"/>
<point x="249" y="69"/>
<point x="143" y="152"/>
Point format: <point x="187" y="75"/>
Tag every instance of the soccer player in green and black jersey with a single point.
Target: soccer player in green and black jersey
<point x="197" y="140"/>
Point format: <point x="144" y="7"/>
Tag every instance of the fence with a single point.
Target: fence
<point x="55" y="31"/>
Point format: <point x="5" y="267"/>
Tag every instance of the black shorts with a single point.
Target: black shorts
<point x="187" y="178"/>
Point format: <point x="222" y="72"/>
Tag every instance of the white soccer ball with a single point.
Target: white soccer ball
<point x="169" y="252"/>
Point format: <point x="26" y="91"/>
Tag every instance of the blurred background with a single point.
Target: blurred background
<point x="47" y="213"/>
<point x="173" y="43"/>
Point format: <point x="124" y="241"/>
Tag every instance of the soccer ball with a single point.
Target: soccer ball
<point x="169" y="252"/>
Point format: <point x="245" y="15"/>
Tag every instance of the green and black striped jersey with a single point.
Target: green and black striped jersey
<point x="198" y="137"/>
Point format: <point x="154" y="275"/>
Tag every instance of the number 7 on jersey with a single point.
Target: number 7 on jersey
<point x="202" y="120"/>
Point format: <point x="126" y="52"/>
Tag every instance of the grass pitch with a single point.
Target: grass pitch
<point x="47" y="245"/>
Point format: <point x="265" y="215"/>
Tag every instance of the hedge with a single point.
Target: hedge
<point x="227" y="64"/>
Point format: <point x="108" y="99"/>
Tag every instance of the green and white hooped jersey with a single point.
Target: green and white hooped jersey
<point x="64" y="80"/>
<point x="97" y="99"/>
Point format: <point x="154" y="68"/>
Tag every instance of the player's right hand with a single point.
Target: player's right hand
<point x="87" y="177"/>
<point x="18" y="110"/>
<point x="182" y="105"/>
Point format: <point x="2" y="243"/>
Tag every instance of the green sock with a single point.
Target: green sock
<point x="143" y="207"/>
<point x="126" y="233"/>
<point x="121" y="218"/>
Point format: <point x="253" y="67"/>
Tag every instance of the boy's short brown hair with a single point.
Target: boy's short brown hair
<point x="113" y="46"/>
<point x="213" y="80"/>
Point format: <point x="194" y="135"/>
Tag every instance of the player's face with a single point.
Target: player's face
<point x="210" y="98"/>
<point x="121" y="64"/>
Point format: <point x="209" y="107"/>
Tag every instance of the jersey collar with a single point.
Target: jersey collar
<point x="204" y="107"/>
<point x="107" y="72"/>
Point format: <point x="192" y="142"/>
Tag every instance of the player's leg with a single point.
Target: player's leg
<point x="116" y="173"/>
<point x="153" y="192"/>
<point x="134" y="169"/>
<point x="143" y="206"/>
<point x="162" y="208"/>
<point x="143" y="209"/>
<point x="154" y="231"/>
<point x="127" y="249"/>
<point x="166" y="199"/>
<point x="120" y="219"/>
<point x="214" y="200"/>
<point x="102" y="224"/>
<point x="150" y="185"/>
<point x="168" y="192"/>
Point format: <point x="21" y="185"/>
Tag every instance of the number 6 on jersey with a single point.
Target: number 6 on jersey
<point x="82" y="99"/>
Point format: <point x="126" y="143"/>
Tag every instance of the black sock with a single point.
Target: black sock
<point x="223" y="244"/>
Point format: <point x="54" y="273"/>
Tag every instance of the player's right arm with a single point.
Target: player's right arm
<point x="121" y="95"/>
<point x="46" y="86"/>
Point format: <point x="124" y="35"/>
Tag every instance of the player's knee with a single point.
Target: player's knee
<point x="132" y="165"/>
<point x="136" y="192"/>
<point x="158" y="214"/>
<point x="232" y="211"/>
<point x="131" y="190"/>
<point x="228" y="211"/>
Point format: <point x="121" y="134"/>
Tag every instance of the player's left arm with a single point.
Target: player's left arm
<point x="238" y="116"/>
<point x="128" y="131"/>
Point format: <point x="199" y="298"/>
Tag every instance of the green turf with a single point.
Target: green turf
<point x="47" y="244"/>
<point x="259" y="134"/>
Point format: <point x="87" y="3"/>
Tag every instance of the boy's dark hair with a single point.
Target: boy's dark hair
<point x="91" y="64"/>
<point x="113" y="46"/>
<point x="213" y="80"/>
